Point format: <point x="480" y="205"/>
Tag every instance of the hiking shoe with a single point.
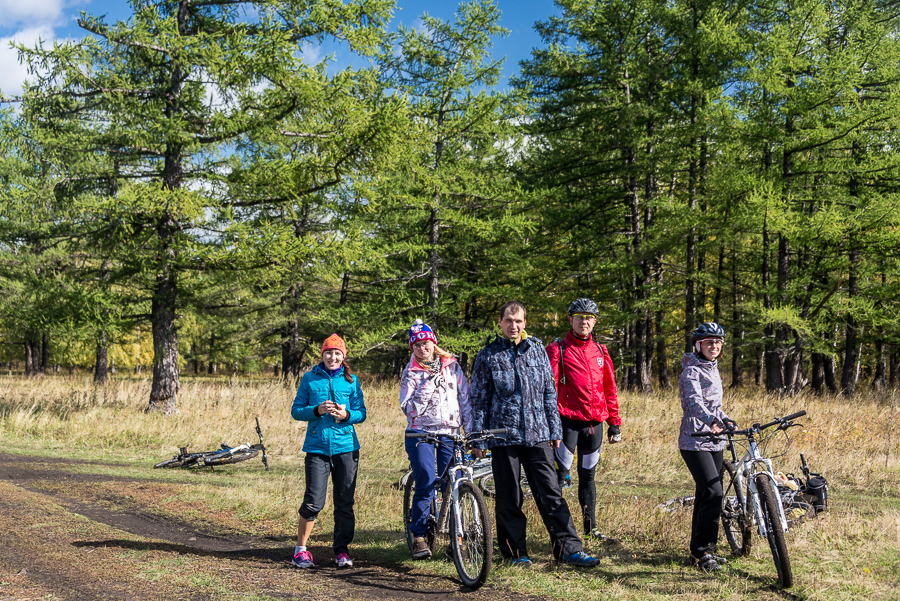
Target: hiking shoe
<point x="420" y="548"/>
<point x="708" y="563"/>
<point x="520" y="562"/>
<point x="342" y="560"/>
<point x="580" y="559"/>
<point x="303" y="559"/>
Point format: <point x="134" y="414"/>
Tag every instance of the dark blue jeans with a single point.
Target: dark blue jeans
<point x="427" y="466"/>
<point x="342" y="468"/>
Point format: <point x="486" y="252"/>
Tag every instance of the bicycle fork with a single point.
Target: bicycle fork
<point x="754" y="495"/>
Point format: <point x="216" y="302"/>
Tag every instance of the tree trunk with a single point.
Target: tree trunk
<point x="879" y="380"/>
<point x="100" y="364"/>
<point x="45" y="353"/>
<point x="165" y="385"/>
<point x="737" y="348"/>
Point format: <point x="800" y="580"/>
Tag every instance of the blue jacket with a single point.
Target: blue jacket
<point x="324" y="435"/>
<point x="512" y="387"/>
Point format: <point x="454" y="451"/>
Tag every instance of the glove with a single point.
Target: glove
<point x="730" y="424"/>
<point x="614" y="434"/>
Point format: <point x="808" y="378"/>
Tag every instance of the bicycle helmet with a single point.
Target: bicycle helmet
<point x="583" y="305"/>
<point x="707" y="330"/>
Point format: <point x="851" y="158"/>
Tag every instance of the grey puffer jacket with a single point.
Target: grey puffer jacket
<point x="701" y="399"/>
<point x="512" y="387"/>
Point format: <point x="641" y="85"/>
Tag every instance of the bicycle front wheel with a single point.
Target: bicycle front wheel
<point x="227" y="459"/>
<point x="777" y="542"/>
<point x="471" y="540"/>
<point x="737" y="530"/>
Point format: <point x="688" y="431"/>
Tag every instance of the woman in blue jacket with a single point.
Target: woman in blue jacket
<point x="330" y="399"/>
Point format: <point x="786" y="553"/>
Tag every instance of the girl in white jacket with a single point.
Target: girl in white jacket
<point x="434" y="396"/>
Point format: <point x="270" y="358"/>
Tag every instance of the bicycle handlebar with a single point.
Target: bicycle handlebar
<point x="754" y="428"/>
<point x="483" y="434"/>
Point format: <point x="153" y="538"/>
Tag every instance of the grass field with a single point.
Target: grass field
<point x="852" y="552"/>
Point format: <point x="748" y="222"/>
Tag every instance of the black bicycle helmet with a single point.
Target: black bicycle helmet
<point x="583" y="305"/>
<point x="707" y="330"/>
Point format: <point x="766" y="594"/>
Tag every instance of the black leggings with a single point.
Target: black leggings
<point x="586" y="438"/>
<point x="706" y="468"/>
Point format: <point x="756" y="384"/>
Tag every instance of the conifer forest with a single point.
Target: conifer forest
<point x="182" y="193"/>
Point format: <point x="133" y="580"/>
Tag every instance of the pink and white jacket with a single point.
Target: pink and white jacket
<point x="436" y="403"/>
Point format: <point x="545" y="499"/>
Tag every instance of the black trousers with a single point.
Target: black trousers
<point x="587" y="438"/>
<point x="342" y="468"/>
<point x="537" y="462"/>
<point x="706" y="468"/>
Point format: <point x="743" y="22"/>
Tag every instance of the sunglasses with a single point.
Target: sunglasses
<point x="584" y="316"/>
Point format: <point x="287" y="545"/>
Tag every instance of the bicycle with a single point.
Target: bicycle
<point x="468" y="523"/>
<point x="750" y="498"/>
<point x="223" y="456"/>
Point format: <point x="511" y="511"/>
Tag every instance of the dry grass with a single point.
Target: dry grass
<point x="852" y="553"/>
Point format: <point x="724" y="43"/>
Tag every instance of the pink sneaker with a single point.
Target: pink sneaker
<point x="303" y="559"/>
<point x="342" y="560"/>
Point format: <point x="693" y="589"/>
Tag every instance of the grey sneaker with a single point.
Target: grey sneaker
<point x="303" y="559"/>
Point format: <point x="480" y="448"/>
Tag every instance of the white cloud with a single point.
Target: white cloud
<point x="311" y="55"/>
<point x="12" y="73"/>
<point x="30" y="12"/>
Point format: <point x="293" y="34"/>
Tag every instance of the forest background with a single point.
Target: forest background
<point x="184" y="190"/>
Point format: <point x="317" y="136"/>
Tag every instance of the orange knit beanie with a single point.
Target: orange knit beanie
<point x="336" y="342"/>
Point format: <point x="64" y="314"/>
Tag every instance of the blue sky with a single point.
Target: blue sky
<point x="30" y="20"/>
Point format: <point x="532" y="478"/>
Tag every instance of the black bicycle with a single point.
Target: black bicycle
<point x="468" y="522"/>
<point x="223" y="456"/>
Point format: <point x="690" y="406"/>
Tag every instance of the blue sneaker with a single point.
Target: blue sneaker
<point x="580" y="559"/>
<point x="520" y="562"/>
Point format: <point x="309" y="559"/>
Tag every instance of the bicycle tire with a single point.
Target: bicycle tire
<point x="408" y="491"/>
<point x="472" y="541"/>
<point x="486" y="484"/>
<point x="738" y="532"/>
<point x="227" y="459"/>
<point x="777" y="542"/>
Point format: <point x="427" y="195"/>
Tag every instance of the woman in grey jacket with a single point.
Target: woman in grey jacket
<point x="700" y="387"/>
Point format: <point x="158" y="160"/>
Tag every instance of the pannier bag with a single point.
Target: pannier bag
<point x="817" y="493"/>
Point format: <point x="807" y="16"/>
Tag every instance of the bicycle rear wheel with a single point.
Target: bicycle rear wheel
<point x="226" y="459"/>
<point x="777" y="542"/>
<point x="486" y="484"/>
<point x="737" y="530"/>
<point x="471" y="540"/>
<point x="408" y="492"/>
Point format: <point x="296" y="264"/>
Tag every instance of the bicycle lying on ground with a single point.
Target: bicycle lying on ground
<point x="467" y="522"/>
<point x="223" y="456"/>
<point x="750" y="495"/>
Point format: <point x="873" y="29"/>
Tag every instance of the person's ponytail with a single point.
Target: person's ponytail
<point x="348" y="374"/>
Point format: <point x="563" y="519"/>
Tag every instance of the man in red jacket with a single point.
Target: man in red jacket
<point x="586" y="394"/>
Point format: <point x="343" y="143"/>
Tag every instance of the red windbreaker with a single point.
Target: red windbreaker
<point x="589" y="392"/>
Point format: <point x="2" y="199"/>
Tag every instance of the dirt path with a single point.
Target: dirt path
<point x="65" y="534"/>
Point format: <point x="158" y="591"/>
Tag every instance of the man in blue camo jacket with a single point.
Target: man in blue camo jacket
<point x="512" y="387"/>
